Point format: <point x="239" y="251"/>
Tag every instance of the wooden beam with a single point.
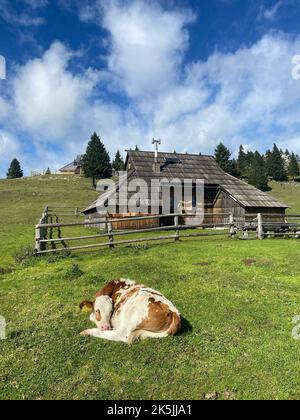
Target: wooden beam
<point x="131" y="241"/>
<point x="260" y="229"/>
<point x="177" y="230"/>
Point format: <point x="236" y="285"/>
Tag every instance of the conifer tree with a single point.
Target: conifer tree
<point x="242" y="163"/>
<point x="96" y="161"/>
<point x="118" y="163"/>
<point x="257" y="173"/>
<point x="222" y="155"/>
<point x="14" y="170"/>
<point x="293" y="168"/>
<point x="275" y="165"/>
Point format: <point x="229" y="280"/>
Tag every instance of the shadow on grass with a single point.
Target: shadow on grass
<point x="186" y="327"/>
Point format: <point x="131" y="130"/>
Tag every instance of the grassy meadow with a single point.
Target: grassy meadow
<point x="238" y="299"/>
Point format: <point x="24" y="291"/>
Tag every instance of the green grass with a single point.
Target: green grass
<point x="289" y="193"/>
<point x="240" y="312"/>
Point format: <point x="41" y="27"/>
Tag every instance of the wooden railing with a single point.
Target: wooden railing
<point x="262" y="226"/>
<point x="42" y="241"/>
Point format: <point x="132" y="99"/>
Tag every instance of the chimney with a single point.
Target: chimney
<point x="156" y="165"/>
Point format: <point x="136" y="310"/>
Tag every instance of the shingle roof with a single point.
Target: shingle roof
<point x="186" y="166"/>
<point x="71" y="167"/>
<point x="200" y="167"/>
<point x="105" y="196"/>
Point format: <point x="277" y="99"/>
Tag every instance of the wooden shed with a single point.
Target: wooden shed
<point x="73" y="168"/>
<point x="223" y="193"/>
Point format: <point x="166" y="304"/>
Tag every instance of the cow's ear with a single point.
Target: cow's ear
<point x="98" y="315"/>
<point x="109" y="289"/>
<point x="87" y="304"/>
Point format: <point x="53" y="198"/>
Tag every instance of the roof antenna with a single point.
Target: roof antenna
<point x="156" y="166"/>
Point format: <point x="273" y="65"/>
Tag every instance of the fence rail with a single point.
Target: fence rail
<point x="260" y="225"/>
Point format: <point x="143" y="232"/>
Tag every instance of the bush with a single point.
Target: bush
<point x="5" y="271"/>
<point x="55" y="257"/>
<point x="73" y="272"/>
<point x="136" y="249"/>
<point x="25" y="255"/>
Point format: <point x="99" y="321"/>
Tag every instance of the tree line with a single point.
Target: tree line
<point x="258" y="169"/>
<point x="96" y="162"/>
<point x="255" y="168"/>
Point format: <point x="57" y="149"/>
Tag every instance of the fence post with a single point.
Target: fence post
<point x="111" y="237"/>
<point x="76" y="211"/>
<point x="260" y="229"/>
<point x="246" y="234"/>
<point x="38" y="245"/>
<point x="177" y="230"/>
<point x="232" y="227"/>
<point x="46" y="214"/>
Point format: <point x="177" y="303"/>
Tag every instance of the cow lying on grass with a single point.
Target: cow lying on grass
<point x="126" y="311"/>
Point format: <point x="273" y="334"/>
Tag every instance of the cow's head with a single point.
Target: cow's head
<point x="102" y="311"/>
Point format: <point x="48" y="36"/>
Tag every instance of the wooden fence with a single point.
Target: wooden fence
<point x="261" y="226"/>
<point x="44" y="227"/>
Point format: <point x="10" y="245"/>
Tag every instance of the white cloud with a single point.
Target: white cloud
<point x="27" y="17"/>
<point x="270" y="13"/>
<point x="48" y="97"/>
<point x="147" y="45"/>
<point x="36" y="4"/>
<point x="4" y="109"/>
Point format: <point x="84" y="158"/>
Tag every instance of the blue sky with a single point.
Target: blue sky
<point x="190" y="72"/>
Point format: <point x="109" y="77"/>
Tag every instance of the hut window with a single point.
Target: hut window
<point x="194" y="200"/>
<point x="172" y="200"/>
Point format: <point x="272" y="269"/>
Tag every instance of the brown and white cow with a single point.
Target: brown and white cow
<point x="126" y="311"/>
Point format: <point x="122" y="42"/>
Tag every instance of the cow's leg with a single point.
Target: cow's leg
<point x="113" y="335"/>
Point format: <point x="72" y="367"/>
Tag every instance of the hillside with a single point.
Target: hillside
<point x="238" y="299"/>
<point x="22" y="202"/>
<point x="289" y="193"/>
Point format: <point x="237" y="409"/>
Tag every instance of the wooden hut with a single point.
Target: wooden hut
<point x="223" y="193"/>
<point x="73" y="168"/>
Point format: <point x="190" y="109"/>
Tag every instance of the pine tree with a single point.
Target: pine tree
<point x="118" y="163"/>
<point x="293" y="168"/>
<point x="14" y="170"/>
<point x="48" y="172"/>
<point x="234" y="168"/>
<point x="249" y="157"/>
<point x="222" y="155"/>
<point x="242" y="163"/>
<point x="275" y="165"/>
<point x="96" y="161"/>
<point x="257" y="173"/>
<point x="137" y="148"/>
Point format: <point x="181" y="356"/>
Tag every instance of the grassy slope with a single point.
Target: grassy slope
<point x="289" y="193"/>
<point x="241" y="315"/>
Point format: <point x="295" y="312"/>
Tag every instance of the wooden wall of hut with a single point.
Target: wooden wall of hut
<point x="225" y="204"/>
<point x="252" y="213"/>
<point x="132" y="224"/>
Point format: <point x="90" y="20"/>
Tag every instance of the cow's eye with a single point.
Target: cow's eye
<point x="98" y="316"/>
